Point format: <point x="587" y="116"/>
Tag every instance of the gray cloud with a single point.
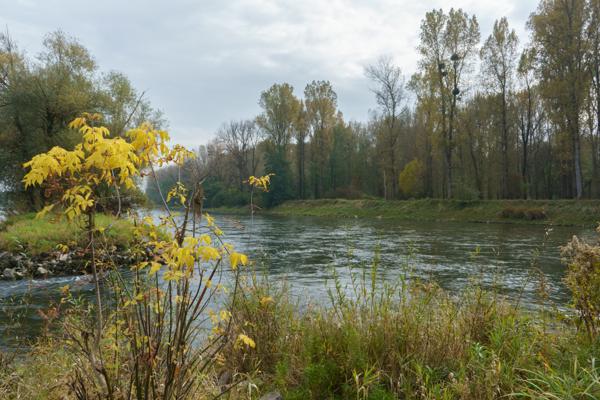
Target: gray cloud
<point x="206" y="62"/>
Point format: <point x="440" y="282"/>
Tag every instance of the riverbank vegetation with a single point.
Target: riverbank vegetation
<point x="143" y="340"/>
<point x="381" y="341"/>
<point x="544" y="212"/>
<point x="524" y="124"/>
<point x="33" y="236"/>
<point x="165" y="332"/>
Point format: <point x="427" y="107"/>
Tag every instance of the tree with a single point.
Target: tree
<point x="340" y="159"/>
<point x="558" y="29"/>
<point x="448" y="43"/>
<point x="278" y="120"/>
<point x="240" y="139"/>
<point x="411" y="179"/>
<point x="39" y="97"/>
<point x="593" y="102"/>
<point x="321" y="109"/>
<point x="498" y="55"/>
<point x="300" y="134"/>
<point x="479" y="142"/>
<point x="123" y="107"/>
<point x="389" y="93"/>
<point x="281" y="188"/>
<point x="528" y="113"/>
<point x="280" y="112"/>
<point x="142" y="305"/>
<point x="424" y="123"/>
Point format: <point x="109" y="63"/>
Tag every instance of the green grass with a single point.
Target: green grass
<point x="38" y="375"/>
<point x="25" y="233"/>
<point x="556" y="212"/>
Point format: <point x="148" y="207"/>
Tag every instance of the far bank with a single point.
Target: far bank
<point x="542" y="212"/>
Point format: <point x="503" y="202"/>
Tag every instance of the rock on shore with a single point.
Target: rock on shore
<point x="20" y="265"/>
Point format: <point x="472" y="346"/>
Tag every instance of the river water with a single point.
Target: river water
<point x="307" y="252"/>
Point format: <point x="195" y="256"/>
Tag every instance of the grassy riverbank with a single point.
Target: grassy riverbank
<point x="556" y="212"/>
<point x="24" y="233"/>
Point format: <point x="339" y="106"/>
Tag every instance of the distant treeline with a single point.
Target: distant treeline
<point x="480" y="119"/>
<point x="492" y="119"/>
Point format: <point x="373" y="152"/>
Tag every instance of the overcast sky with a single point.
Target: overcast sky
<point x="206" y="62"/>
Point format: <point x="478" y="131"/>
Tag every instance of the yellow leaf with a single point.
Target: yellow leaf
<point x="246" y="340"/>
<point x="44" y="211"/>
<point x="154" y="268"/>
<point x="266" y="300"/>
<point x="237" y="258"/>
<point x="225" y="315"/>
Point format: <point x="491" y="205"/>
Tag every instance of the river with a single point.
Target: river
<point x="307" y="252"/>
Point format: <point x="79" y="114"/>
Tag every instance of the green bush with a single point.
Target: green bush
<point x="529" y="214"/>
<point x="411" y="179"/>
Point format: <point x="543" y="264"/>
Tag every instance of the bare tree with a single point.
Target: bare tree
<point x="239" y="139"/>
<point x="389" y="94"/>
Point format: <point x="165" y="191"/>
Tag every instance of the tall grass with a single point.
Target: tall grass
<point x="376" y="340"/>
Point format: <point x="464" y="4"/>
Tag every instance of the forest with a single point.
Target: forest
<point x="499" y="117"/>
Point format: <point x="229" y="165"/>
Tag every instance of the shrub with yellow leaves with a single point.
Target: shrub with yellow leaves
<point x="149" y="344"/>
<point x="261" y="183"/>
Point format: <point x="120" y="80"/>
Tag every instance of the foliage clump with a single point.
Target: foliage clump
<point x="411" y="179"/>
<point x="583" y="279"/>
<point x="526" y="213"/>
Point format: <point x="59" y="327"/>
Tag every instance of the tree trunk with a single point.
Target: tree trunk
<point x="301" y="168"/>
<point x="577" y="162"/>
<point x="505" y="193"/>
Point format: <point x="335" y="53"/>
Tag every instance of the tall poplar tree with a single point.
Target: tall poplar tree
<point x="498" y="56"/>
<point x="448" y="44"/>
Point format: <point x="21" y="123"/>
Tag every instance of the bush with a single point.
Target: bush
<point x="411" y="179"/>
<point x="583" y="279"/>
<point x="530" y="214"/>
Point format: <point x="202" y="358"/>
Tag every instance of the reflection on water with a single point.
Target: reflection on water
<point x="308" y="251"/>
